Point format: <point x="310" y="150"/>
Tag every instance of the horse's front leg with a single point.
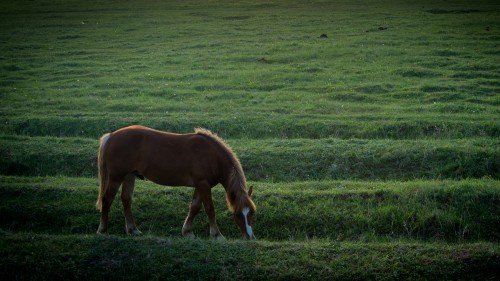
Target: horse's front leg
<point x="194" y="208"/>
<point x="205" y="191"/>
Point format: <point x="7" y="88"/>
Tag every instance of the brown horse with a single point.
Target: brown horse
<point x="200" y="160"/>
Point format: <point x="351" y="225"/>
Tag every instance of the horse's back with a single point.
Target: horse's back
<point x="137" y="133"/>
<point x="166" y="158"/>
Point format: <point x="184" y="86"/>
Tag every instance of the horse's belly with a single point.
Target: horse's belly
<point x="172" y="182"/>
<point x="169" y="177"/>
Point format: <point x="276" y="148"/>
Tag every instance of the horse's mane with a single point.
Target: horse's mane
<point x="237" y="197"/>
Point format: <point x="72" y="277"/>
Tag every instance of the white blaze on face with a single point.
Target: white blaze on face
<point x="249" y="228"/>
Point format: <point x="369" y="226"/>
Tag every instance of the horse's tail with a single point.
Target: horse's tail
<point x="103" y="176"/>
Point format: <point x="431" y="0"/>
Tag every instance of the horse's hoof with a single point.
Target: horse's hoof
<point x="135" y="232"/>
<point x="189" y="235"/>
<point x="220" y="237"/>
<point x="102" y="232"/>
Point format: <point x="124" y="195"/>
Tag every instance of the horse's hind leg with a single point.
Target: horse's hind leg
<point x="194" y="208"/>
<point x="107" y="200"/>
<point x="127" y="190"/>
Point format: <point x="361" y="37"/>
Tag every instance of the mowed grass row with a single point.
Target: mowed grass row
<point x="95" y="257"/>
<point x="453" y="211"/>
<point x="283" y="160"/>
<point x="261" y="125"/>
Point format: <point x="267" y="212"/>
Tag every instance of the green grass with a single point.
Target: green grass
<point x="374" y="152"/>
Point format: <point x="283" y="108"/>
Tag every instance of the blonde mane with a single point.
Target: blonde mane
<point x="237" y="196"/>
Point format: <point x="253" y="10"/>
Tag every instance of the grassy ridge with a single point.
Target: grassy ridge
<point x="425" y="210"/>
<point x="115" y="258"/>
<point x="283" y="159"/>
<point x="258" y="125"/>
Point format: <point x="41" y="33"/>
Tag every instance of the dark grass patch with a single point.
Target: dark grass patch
<point x="444" y="12"/>
<point x="445" y="96"/>
<point x="375" y="89"/>
<point x="418" y="73"/>
<point x="12" y="67"/>
<point x="436" y="89"/>
<point x="69" y="37"/>
<point x="353" y="97"/>
<point x="476" y="75"/>
<point x="446" y="53"/>
<point x="232" y="18"/>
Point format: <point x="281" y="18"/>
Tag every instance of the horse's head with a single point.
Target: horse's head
<point x="244" y="218"/>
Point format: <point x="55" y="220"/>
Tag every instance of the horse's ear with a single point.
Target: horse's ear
<point x="250" y="191"/>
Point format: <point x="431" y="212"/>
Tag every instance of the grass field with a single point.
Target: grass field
<point x="374" y="151"/>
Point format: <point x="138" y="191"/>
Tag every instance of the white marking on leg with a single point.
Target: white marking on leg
<point x="187" y="225"/>
<point x="249" y="228"/>
<point x="187" y="228"/>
